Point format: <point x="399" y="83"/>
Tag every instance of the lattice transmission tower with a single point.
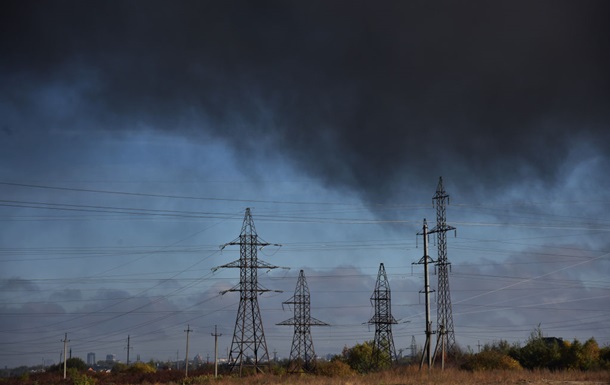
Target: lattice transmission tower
<point x="444" y="319"/>
<point x="383" y="347"/>
<point x="248" y="347"/>
<point x="302" y="354"/>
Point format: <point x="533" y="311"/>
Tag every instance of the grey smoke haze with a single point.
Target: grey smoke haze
<point x="309" y="112"/>
<point x="356" y="94"/>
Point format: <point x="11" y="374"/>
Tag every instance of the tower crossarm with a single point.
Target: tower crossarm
<point x="383" y="319"/>
<point x="290" y="321"/>
<point x="259" y="289"/>
<point x="317" y="322"/>
<point x="240" y="264"/>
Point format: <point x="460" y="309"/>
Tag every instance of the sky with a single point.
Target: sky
<point x="134" y="135"/>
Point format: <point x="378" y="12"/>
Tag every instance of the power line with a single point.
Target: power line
<point x="97" y="191"/>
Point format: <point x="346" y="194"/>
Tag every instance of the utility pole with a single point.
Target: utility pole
<point x="216" y="335"/>
<point x="444" y="317"/>
<point x="383" y="347"/>
<point x="248" y="346"/>
<point x="65" y="341"/>
<point x="188" y="331"/>
<point x="128" y="349"/>
<point x="302" y="355"/>
<point x="425" y="260"/>
<point x="440" y="341"/>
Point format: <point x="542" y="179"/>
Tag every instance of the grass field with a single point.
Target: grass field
<point x="409" y="375"/>
<point x="412" y="376"/>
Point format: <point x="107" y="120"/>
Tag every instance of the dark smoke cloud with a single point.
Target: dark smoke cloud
<point x="358" y="94"/>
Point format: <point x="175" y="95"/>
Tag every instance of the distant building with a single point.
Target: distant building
<point x="90" y="359"/>
<point x="110" y="358"/>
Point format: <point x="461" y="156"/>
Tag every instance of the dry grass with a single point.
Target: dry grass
<point x="398" y="376"/>
<point x="412" y="376"/>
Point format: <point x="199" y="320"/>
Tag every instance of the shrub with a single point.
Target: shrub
<point x="541" y="352"/>
<point x="71" y="363"/>
<point x="360" y="357"/>
<point x="141" y="367"/>
<point x="334" y="368"/>
<point x="119" y="367"/>
<point x="81" y="378"/>
<point x="590" y="355"/>
<point x="491" y="360"/>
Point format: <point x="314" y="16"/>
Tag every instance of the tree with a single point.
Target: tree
<point x="71" y="363"/>
<point x="360" y="356"/>
<point x="604" y="357"/>
<point x="498" y="355"/>
<point x="540" y="352"/>
<point x="572" y="355"/>
<point x="590" y="355"/>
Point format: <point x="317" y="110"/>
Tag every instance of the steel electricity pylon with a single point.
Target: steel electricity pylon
<point x="444" y="319"/>
<point x="248" y="347"/>
<point x="302" y="355"/>
<point x="383" y="346"/>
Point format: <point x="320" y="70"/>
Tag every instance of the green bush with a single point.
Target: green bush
<point x="334" y="368"/>
<point x="604" y="358"/>
<point x="360" y="357"/>
<point x="541" y="352"/>
<point x="491" y="360"/>
<point x="71" y="363"/>
<point x="81" y="378"/>
<point x="119" y="367"/>
<point x="141" y="367"/>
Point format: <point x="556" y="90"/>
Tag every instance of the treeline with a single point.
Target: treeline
<point x="540" y="353"/>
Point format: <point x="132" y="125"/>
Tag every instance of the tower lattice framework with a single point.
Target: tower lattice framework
<point x="384" y="351"/>
<point x="444" y="317"/>
<point x="248" y="347"/>
<point x="302" y="354"/>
